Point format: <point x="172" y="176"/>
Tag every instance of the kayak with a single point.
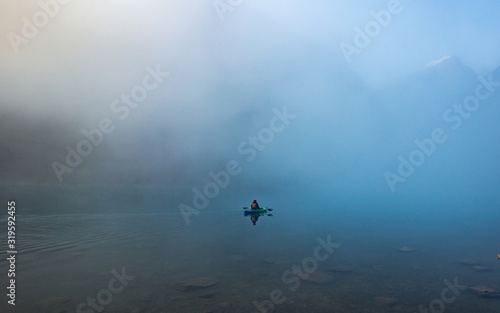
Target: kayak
<point x="261" y="210"/>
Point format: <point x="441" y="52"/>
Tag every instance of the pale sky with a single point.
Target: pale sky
<point x="115" y="38"/>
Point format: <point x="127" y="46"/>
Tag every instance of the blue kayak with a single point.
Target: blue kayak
<point x="261" y="210"/>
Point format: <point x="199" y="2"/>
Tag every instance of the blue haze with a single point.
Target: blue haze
<point x="324" y="174"/>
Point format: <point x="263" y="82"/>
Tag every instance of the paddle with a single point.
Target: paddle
<point x="246" y="208"/>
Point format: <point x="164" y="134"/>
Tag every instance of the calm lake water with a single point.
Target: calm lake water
<point x="65" y="258"/>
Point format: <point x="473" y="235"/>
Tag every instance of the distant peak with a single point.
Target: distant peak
<point x="440" y="60"/>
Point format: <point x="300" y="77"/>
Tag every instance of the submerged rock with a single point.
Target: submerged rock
<point x="275" y="261"/>
<point x="197" y="283"/>
<point x="406" y="249"/>
<point x="485" y="291"/>
<point x="385" y="302"/>
<point x="482" y="269"/>
<point x="176" y="298"/>
<point x="207" y="294"/>
<point x="469" y="262"/>
<point x="340" y="269"/>
<point x="318" y="278"/>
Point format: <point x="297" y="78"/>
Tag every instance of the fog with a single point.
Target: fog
<point x="223" y="70"/>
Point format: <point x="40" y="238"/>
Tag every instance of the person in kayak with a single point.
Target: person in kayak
<point x="255" y="205"/>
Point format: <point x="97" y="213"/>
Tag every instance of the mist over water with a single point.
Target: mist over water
<point x="133" y="135"/>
